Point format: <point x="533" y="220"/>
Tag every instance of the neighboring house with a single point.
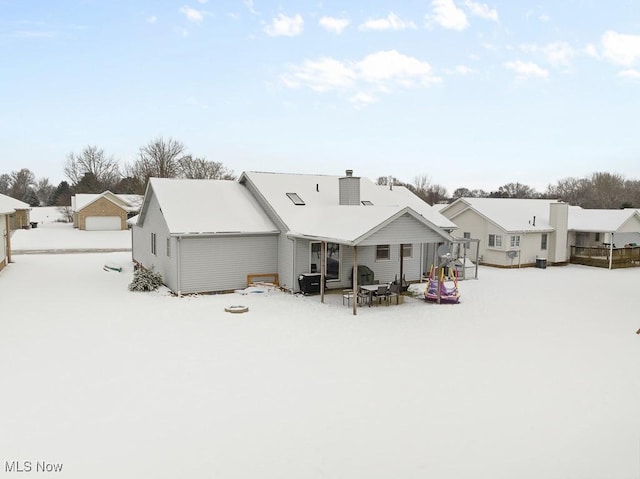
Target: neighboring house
<point x="9" y="207"/>
<point x="104" y="211"/>
<point x="512" y="232"/>
<point x="520" y="232"/>
<point x="209" y="235"/>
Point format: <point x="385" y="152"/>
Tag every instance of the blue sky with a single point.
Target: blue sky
<point x="471" y="94"/>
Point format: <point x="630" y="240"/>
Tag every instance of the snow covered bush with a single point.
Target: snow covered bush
<point x="145" y="280"/>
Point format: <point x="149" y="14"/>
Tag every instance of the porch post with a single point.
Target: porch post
<point x="611" y="251"/>
<point x="355" y="280"/>
<point x="323" y="266"/>
<point x="8" y="243"/>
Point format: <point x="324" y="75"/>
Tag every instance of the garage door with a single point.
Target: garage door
<point x="102" y="223"/>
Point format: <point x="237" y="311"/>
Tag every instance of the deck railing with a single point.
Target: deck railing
<point x="599" y="256"/>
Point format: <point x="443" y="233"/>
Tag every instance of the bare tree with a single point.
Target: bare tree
<point x="44" y="190"/>
<point x="160" y="159"/>
<point x="516" y="190"/>
<point x="21" y="182"/>
<point x="5" y="183"/>
<point x="199" y="168"/>
<point x="93" y="161"/>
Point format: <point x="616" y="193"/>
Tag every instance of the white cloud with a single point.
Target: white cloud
<point x="192" y="14"/>
<point x="461" y="70"/>
<point x="283" y="25"/>
<point x="152" y="19"/>
<point x="333" y="24"/>
<point x="376" y="73"/>
<point x="321" y="75"/>
<point x="390" y="22"/>
<point x="249" y="5"/>
<point x="482" y="10"/>
<point x="631" y="74"/>
<point x="556" y="53"/>
<point x="591" y="50"/>
<point x="447" y="15"/>
<point x="620" y="48"/>
<point x="203" y="1"/>
<point x="525" y="70"/>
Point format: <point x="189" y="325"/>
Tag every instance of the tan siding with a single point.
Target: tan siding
<point x="102" y="207"/>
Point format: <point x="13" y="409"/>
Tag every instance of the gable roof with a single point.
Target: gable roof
<point x="206" y="207"/>
<point x="510" y="214"/>
<point x="126" y="202"/>
<point x="322" y="217"/>
<point x="594" y="220"/>
<point x="9" y="205"/>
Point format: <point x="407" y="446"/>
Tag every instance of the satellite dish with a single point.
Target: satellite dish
<point x="512" y="254"/>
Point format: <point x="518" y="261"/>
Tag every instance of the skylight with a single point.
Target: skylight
<point x="296" y="199"/>
<point x="367" y="203"/>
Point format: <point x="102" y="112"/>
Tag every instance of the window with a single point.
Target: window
<point x="383" y="252"/>
<point x="515" y="241"/>
<point x="296" y="199"/>
<point x="597" y="237"/>
<point x="407" y="251"/>
<point x="153" y="243"/>
<point x="543" y="241"/>
<point x="169" y="247"/>
<point x="495" y="241"/>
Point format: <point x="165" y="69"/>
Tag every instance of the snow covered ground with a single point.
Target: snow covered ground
<point x="536" y="374"/>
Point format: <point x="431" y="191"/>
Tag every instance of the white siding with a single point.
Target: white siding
<point x="141" y="236"/>
<point x="222" y="263"/>
<point x="405" y="229"/>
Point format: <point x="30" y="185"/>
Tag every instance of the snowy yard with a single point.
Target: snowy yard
<point x="536" y="374"/>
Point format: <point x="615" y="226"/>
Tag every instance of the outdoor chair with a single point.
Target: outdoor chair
<point x="347" y="297"/>
<point x="381" y="294"/>
<point x="394" y="291"/>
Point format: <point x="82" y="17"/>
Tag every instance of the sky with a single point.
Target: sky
<point x="469" y="94"/>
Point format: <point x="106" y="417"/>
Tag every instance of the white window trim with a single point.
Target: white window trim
<point x="388" y="248"/>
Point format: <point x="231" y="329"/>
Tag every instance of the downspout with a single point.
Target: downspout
<point x="178" y="265"/>
<point x="8" y="239"/>
<point x="293" y="263"/>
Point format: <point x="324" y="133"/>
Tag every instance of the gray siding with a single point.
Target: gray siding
<point x="141" y="236"/>
<point x="222" y="263"/>
<point x="405" y="229"/>
<point x="349" y="190"/>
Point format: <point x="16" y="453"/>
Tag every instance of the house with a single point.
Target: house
<point x="523" y="232"/>
<point x="104" y="211"/>
<point x="216" y="233"/>
<point x="513" y="232"/>
<point x="9" y="207"/>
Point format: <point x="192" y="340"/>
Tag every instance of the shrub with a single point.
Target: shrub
<point x="145" y="280"/>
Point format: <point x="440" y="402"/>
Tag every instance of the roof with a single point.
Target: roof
<point x="322" y="217"/>
<point x="588" y="220"/>
<point x="207" y="207"/>
<point x="126" y="202"/>
<point x="9" y="205"/>
<point x="512" y="214"/>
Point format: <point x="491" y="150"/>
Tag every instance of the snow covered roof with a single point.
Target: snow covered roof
<point x="9" y="205"/>
<point x="322" y="216"/>
<point x="512" y="214"/>
<point x="599" y="220"/>
<point x="207" y="207"/>
<point x="126" y="202"/>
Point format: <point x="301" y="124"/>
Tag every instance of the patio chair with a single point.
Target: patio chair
<point x="394" y="291"/>
<point x="347" y="297"/>
<point x="381" y="294"/>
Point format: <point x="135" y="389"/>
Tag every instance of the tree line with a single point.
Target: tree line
<point x="93" y="171"/>
<point x="600" y="190"/>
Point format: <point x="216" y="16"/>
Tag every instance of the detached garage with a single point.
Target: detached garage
<point x="104" y="212"/>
